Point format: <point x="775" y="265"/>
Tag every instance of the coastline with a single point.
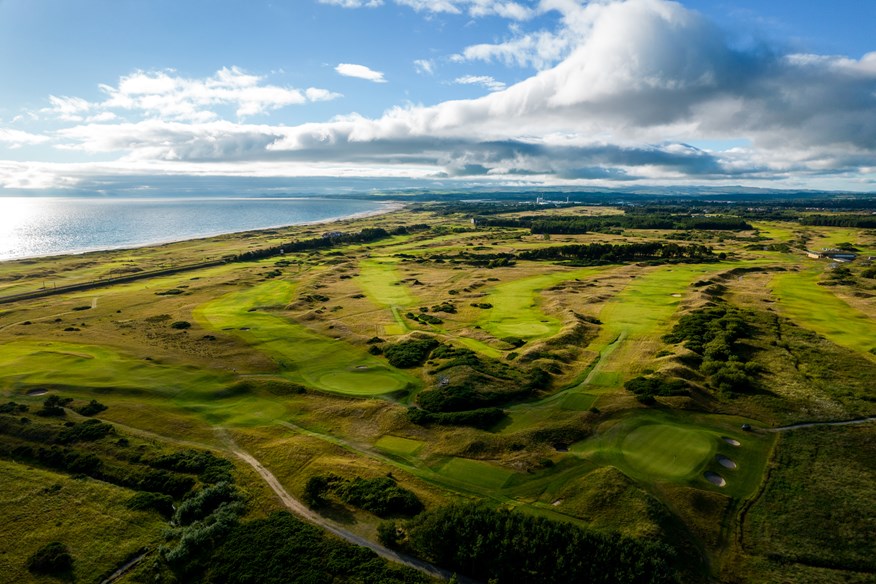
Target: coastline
<point x="385" y="207"/>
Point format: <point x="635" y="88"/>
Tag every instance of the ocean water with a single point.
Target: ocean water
<point x="43" y="226"/>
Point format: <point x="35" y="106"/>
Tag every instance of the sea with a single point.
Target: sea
<point x="44" y="226"/>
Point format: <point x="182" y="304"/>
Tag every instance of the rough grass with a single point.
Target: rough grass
<point x="88" y="516"/>
<point x="817" y="508"/>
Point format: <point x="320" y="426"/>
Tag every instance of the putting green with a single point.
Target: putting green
<point x="368" y="381"/>
<point x="301" y="354"/>
<point x="667" y="451"/>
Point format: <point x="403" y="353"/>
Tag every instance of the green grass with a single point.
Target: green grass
<point x="643" y="310"/>
<point x="301" y="354"/>
<point x="380" y="282"/>
<point x="88" y="516"/>
<point x="817" y="508"/>
<point x="578" y="402"/>
<point x="667" y="451"/>
<point x="653" y="446"/>
<point x="776" y="230"/>
<point x="833" y="236"/>
<point x="517" y="310"/>
<point x="816" y="307"/>
<point x="399" y="445"/>
<point x="28" y="363"/>
<point x="475" y="472"/>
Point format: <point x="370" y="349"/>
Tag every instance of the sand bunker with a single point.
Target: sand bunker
<point x="725" y="462"/>
<point x="715" y="479"/>
<point x="35" y="392"/>
<point x="730" y="441"/>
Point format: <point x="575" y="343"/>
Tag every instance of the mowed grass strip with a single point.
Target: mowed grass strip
<point x="380" y="282"/>
<point x="475" y="472"/>
<point x="643" y="310"/>
<point x="301" y="354"/>
<point x="88" y="516"/>
<point x="816" y="307"/>
<point x="516" y="308"/>
<point x="399" y="445"/>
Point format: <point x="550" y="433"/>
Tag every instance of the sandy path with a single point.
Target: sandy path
<point x="814" y="424"/>
<point x="305" y="513"/>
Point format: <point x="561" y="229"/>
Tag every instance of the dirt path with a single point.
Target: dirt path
<point x="124" y="569"/>
<point x="813" y="424"/>
<point x="305" y="513"/>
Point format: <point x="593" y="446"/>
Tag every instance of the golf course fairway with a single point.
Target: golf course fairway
<point x="301" y="354"/>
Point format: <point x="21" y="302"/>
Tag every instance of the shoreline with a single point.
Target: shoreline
<point x="385" y="207"/>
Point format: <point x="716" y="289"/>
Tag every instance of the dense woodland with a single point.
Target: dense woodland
<point x="507" y="546"/>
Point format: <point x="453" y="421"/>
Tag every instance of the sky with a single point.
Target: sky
<point x="104" y="96"/>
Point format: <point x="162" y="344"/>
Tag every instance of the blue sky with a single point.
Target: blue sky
<point x="101" y="94"/>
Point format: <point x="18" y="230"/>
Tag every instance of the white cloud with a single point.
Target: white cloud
<point x="68" y="108"/>
<point x="426" y="66"/>
<point x="474" y="8"/>
<point x="165" y="94"/>
<point x="641" y="80"/>
<point x="316" y="94"/>
<point x="482" y="80"/>
<point x="360" y="72"/>
<point x="353" y="3"/>
<point x="18" y="138"/>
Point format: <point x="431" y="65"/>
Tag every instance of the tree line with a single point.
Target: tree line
<point x="507" y="546"/>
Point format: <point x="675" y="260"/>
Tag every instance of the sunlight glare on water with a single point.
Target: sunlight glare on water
<point x="42" y="226"/>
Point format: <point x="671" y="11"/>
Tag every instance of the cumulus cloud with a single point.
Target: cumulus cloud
<point x="642" y="80"/>
<point x="166" y="94"/>
<point x="360" y="72"/>
<point x="18" y="138"/>
<point x="482" y="80"/>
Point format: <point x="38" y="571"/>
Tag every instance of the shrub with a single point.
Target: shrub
<point x="53" y="406"/>
<point x="410" y="353"/>
<point x="181" y="325"/>
<point x="144" y="500"/>
<point x="91" y="408"/>
<point x="52" y="559"/>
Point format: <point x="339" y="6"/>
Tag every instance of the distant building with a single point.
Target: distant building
<point x="836" y="255"/>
